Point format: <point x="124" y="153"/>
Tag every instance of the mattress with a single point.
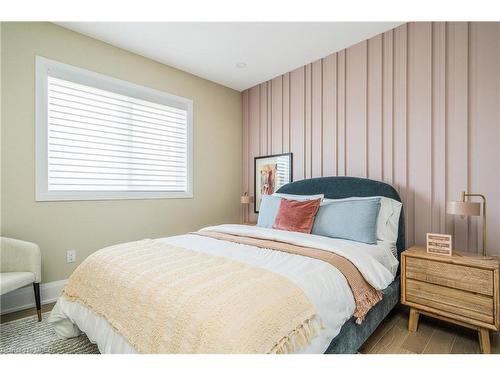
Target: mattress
<point x="325" y="286"/>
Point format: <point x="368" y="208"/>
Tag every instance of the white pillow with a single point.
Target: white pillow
<point x="296" y="197"/>
<point x="388" y="217"/>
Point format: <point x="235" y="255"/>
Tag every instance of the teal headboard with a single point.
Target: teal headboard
<point x="345" y="187"/>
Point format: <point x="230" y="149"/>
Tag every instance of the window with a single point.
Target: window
<point x="102" y="138"/>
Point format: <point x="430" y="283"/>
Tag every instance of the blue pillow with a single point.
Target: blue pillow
<point x="268" y="210"/>
<point x="354" y="220"/>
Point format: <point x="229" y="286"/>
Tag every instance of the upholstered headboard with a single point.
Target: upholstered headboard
<point x="345" y="187"/>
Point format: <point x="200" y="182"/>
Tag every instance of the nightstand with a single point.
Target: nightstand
<point x="462" y="289"/>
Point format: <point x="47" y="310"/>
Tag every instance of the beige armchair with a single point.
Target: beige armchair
<point x="20" y="265"/>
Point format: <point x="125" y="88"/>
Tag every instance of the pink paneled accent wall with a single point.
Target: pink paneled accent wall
<point x="417" y="107"/>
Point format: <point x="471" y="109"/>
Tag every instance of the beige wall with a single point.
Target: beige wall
<point x="89" y="225"/>
<point x="1" y="23"/>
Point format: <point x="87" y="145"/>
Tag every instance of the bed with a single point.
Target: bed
<point x="323" y="285"/>
<point x="352" y="335"/>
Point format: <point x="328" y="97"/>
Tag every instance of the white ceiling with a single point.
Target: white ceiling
<point x="212" y="50"/>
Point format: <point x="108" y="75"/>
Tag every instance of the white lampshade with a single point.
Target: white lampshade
<point x="463" y="208"/>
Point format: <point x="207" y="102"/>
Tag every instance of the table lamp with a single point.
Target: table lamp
<point x="467" y="208"/>
<point x="245" y="200"/>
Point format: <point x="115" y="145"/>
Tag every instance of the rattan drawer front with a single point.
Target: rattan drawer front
<point x="472" y="279"/>
<point x="461" y="303"/>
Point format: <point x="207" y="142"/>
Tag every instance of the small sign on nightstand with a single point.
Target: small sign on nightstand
<point x="439" y="243"/>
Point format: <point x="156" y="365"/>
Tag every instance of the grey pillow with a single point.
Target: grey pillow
<point x="354" y="220"/>
<point x="269" y="207"/>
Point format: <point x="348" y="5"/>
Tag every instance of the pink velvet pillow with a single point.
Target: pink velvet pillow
<point x="296" y="216"/>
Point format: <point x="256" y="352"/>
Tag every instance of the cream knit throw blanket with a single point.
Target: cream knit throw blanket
<point x="365" y="295"/>
<point x="167" y="299"/>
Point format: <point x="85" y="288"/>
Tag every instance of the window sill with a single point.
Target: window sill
<point x="111" y="195"/>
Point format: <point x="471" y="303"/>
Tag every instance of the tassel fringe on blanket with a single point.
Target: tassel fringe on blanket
<point x="299" y="337"/>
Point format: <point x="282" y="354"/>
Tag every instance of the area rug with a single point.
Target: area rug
<point x="28" y="336"/>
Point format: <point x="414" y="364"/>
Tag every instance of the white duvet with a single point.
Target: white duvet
<point x="324" y="285"/>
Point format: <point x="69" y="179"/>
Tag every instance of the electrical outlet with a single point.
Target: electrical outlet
<point x="70" y="256"/>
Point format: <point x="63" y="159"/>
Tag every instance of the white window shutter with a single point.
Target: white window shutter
<point x="103" y="142"/>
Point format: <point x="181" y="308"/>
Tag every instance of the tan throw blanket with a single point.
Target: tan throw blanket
<point x="365" y="295"/>
<point x="167" y="299"/>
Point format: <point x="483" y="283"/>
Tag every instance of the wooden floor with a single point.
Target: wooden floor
<point x="24" y="313"/>
<point x="432" y="337"/>
<point x="392" y="336"/>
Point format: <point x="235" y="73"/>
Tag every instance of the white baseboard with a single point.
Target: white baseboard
<point x="23" y="298"/>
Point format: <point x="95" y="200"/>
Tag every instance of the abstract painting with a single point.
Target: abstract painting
<point x="271" y="172"/>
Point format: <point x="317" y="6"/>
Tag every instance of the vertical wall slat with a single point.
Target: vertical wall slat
<point x="356" y="120"/>
<point x="263" y="118"/>
<point x="400" y="117"/>
<point x="375" y="108"/>
<point x="297" y="125"/>
<point x="269" y="117"/>
<point x="420" y="126"/>
<point x="341" y="107"/>
<point x="329" y="108"/>
<point x="286" y="113"/>
<point x="254" y="139"/>
<point x="277" y="115"/>
<point x="317" y="119"/>
<point x="410" y="197"/>
<point x="457" y="134"/>
<point x="245" y="178"/>
<point x="307" y="121"/>
<point x="438" y="138"/>
<point x="388" y="126"/>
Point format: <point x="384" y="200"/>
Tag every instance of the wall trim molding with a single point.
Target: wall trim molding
<point x="23" y="298"/>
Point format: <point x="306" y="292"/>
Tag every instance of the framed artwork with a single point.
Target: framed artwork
<point x="270" y="173"/>
<point x="439" y="243"/>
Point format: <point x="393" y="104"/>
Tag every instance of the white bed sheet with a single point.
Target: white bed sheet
<point x="324" y="285"/>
